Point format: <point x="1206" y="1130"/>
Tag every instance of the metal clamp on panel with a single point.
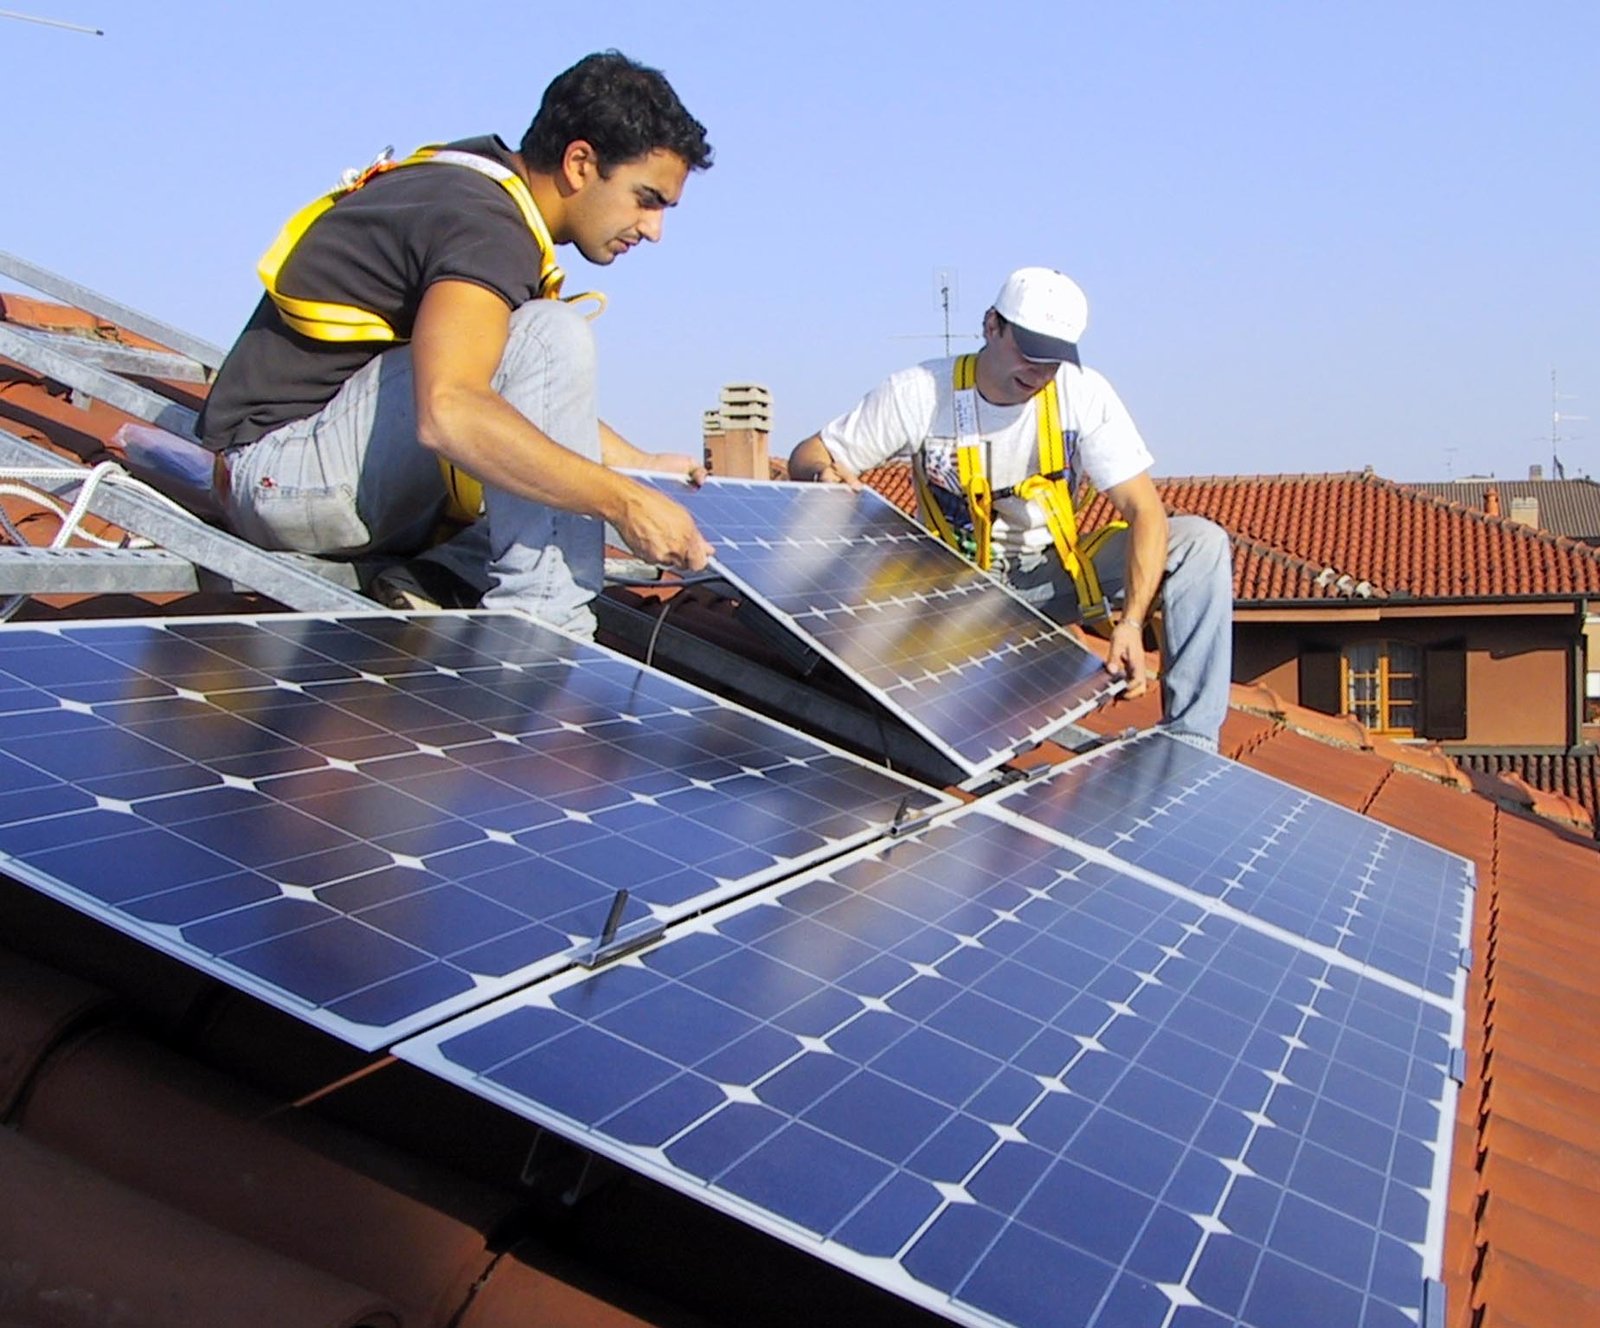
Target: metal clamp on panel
<point x="905" y="822"/>
<point x="616" y="940"/>
<point x="1458" y="1064"/>
<point x="1432" y="1303"/>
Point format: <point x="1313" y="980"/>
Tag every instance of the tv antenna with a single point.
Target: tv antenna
<point x="52" y="23"/>
<point x="947" y="291"/>
<point x="1557" y="416"/>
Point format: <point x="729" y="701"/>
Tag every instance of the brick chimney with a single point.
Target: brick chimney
<point x="710" y="437"/>
<point x="1491" y="501"/>
<point x="739" y="447"/>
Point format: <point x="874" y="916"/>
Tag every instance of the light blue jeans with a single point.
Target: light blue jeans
<point x="1197" y="617"/>
<point x="353" y="479"/>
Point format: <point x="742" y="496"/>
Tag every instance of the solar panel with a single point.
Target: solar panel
<point x="1014" y="1085"/>
<point x="964" y="662"/>
<point x="1268" y="849"/>
<point x="376" y="822"/>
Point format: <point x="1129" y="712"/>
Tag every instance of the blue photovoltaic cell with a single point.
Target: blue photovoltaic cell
<point x="375" y="822"/>
<point x="1268" y="849"/>
<point x="1012" y="1084"/>
<point x="972" y="668"/>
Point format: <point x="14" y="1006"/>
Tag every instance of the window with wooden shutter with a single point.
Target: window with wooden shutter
<point x="1319" y="681"/>
<point x="1444" y="711"/>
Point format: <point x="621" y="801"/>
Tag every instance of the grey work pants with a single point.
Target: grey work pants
<point x="353" y="478"/>
<point x="1197" y="616"/>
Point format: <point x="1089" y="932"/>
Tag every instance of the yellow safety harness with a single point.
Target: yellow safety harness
<point x="324" y="320"/>
<point x="1049" y="487"/>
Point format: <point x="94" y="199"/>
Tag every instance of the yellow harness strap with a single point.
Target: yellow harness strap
<point x="1049" y="488"/>
<point x="970" y="463"/>
<point x="324" y="320"/>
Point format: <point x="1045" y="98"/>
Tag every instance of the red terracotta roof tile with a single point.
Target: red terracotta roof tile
<point x="1573" y="776"/>
<point x="1393" y="539"/>
<point x="199" y="1144"/>
<point x="1516" y="1291"/>
<point x="1423" y="759"/>
<point x="1341" y="775"/>
<point x="893" y="480"/>
<point x="38" y="1007"/>
<point x="516" y="1293"/>
<point x="95" y="1251"/>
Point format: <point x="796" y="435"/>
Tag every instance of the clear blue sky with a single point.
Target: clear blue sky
<point x="1315" y="236"/>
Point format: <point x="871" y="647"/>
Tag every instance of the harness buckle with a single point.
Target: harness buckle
<point x="351" y="179"/>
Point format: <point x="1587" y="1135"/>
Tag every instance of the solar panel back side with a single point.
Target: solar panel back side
<point x="964" y="662"/>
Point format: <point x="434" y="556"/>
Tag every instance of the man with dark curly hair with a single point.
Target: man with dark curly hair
<point x="412" y="334"/>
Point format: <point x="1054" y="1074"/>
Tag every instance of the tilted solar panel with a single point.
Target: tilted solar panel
<point x="1014" y="1085"/>
<point x="375" y="822"/>
<point x="1275" y="852"/>
<point x="972" y="668"/>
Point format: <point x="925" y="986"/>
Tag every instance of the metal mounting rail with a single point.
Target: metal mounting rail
<point x="116" y="357"/>
<point x="290" y="581"/>
<point x="81" y="297"/>
<point x="98" y="383"/>
<point x="29" y="571"/>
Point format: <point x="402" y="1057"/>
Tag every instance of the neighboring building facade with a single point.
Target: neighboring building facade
<point x="1418" y="617"/>
<point x="1559" y="507"/>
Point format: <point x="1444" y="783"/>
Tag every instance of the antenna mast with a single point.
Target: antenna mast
<point x="947" y="291"/>
<point x="52" y="23"/>
<point x="1557" y="470"/>
<point x="946" y="278"/>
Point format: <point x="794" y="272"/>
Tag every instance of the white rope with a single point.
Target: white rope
<point x="107" y="472"/>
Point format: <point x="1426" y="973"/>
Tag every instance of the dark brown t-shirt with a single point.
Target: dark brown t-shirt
<point x="379" y="249"/>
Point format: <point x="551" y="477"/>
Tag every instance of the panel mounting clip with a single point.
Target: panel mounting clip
<point x="616" y="940"/>
<point x="906" y="821"/>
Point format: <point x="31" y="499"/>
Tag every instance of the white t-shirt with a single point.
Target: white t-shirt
<point x="916" y="408"/>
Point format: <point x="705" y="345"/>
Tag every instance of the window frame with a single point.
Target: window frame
<point x="1388" y="668"/>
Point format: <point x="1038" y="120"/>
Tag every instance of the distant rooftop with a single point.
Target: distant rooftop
<point x="1565" y="507"/>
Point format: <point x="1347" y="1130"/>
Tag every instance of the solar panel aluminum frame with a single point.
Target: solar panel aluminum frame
<point x="371" y="1036"/>
<point x="976" y="767"/>
<point x="426" y="1052"/>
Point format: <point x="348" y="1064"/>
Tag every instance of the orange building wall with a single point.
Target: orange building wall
<point x="1519" y="683"/>
<point x="1519" y="690"/>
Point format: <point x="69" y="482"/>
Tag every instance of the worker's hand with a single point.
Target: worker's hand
<point x="661" y="531"/>
<point x="680" y="464"/>
<point x="1125" y="657"/>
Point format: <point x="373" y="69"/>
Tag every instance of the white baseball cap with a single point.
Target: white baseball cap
<point x="1047" y="313"/>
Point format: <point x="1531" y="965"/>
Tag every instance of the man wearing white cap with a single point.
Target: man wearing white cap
<point x="1002" y="443"/>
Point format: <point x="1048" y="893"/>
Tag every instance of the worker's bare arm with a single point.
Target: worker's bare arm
<point x="1139" y="504"/>
<point x="615" y="450"/>
<point x="811" y="460"/>
<point x="459" y="337"/>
